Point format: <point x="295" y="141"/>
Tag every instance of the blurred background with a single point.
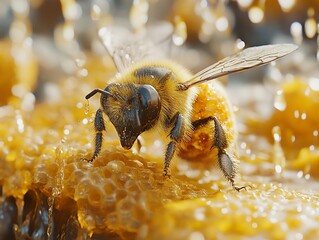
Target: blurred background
<point x="58" y="32"/>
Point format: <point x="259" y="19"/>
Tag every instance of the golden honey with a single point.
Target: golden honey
<point x="123" y="195"/>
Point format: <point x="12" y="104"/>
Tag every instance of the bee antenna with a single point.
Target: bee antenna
<point x="97" y="90"/>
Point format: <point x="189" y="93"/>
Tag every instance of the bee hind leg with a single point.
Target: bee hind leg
<point x="228" y="168"/>
<point x="225" y="162"/>
<point x="176" y="134"/>
<point x="99" y="128"/>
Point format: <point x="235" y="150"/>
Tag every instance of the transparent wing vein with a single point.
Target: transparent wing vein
<point x="248" y="58"/>
<point x="126" y="48"/>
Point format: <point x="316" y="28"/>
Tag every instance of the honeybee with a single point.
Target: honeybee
<point x="159" y="95"/>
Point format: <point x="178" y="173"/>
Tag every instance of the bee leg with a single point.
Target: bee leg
<point x="220" y="140"/>
<point x="225" y="162"/>
<point x="176" y="134"/>
<point x="228" y="168"/>
<point x="99" y="128"/>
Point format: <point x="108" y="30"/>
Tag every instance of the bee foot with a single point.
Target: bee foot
<point x="238" y="189"/>
<point x="86" y="159"/>
<point x="166" y="174"/>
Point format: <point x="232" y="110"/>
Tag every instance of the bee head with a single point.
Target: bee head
<point x="132" y="109"/>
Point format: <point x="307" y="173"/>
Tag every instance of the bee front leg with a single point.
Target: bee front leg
<point x="225" y="162"/>
<point x="176" y="134"/>
<point x="99" y="128"/>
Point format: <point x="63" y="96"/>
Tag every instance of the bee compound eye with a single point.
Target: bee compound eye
<point x="148" y="97"/>
<point x="149" y="106"/>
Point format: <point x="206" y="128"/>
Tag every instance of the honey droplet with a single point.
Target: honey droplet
<point x="139" y="14"/>
<point x="80" y="59"/>
<point x="95" y="12"/>
<point x="256" y="14"/>
<point x="245" y="3"/>
<point x="296" y="32"/>
<point x="280" y="102"/>
<point x="278" y="153"/>
<point x="180" y="31"/>
<point x="222" y="24"/>
<point x="100" y="11"/>
<point x="20" y="122"/>
<point x="87" y="107"/>
<point x="240" y="44"/>
<point x="286" y="5"/>
<point x="71" y="10"/>
<point x="310" y="27"/>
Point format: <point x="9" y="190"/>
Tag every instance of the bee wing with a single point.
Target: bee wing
<point x="123" y="54"/>
<point x="248" y="58"/>
<point x="125" y="48"/>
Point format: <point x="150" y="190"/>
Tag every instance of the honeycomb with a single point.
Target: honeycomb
<point x="47" y="191"/>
